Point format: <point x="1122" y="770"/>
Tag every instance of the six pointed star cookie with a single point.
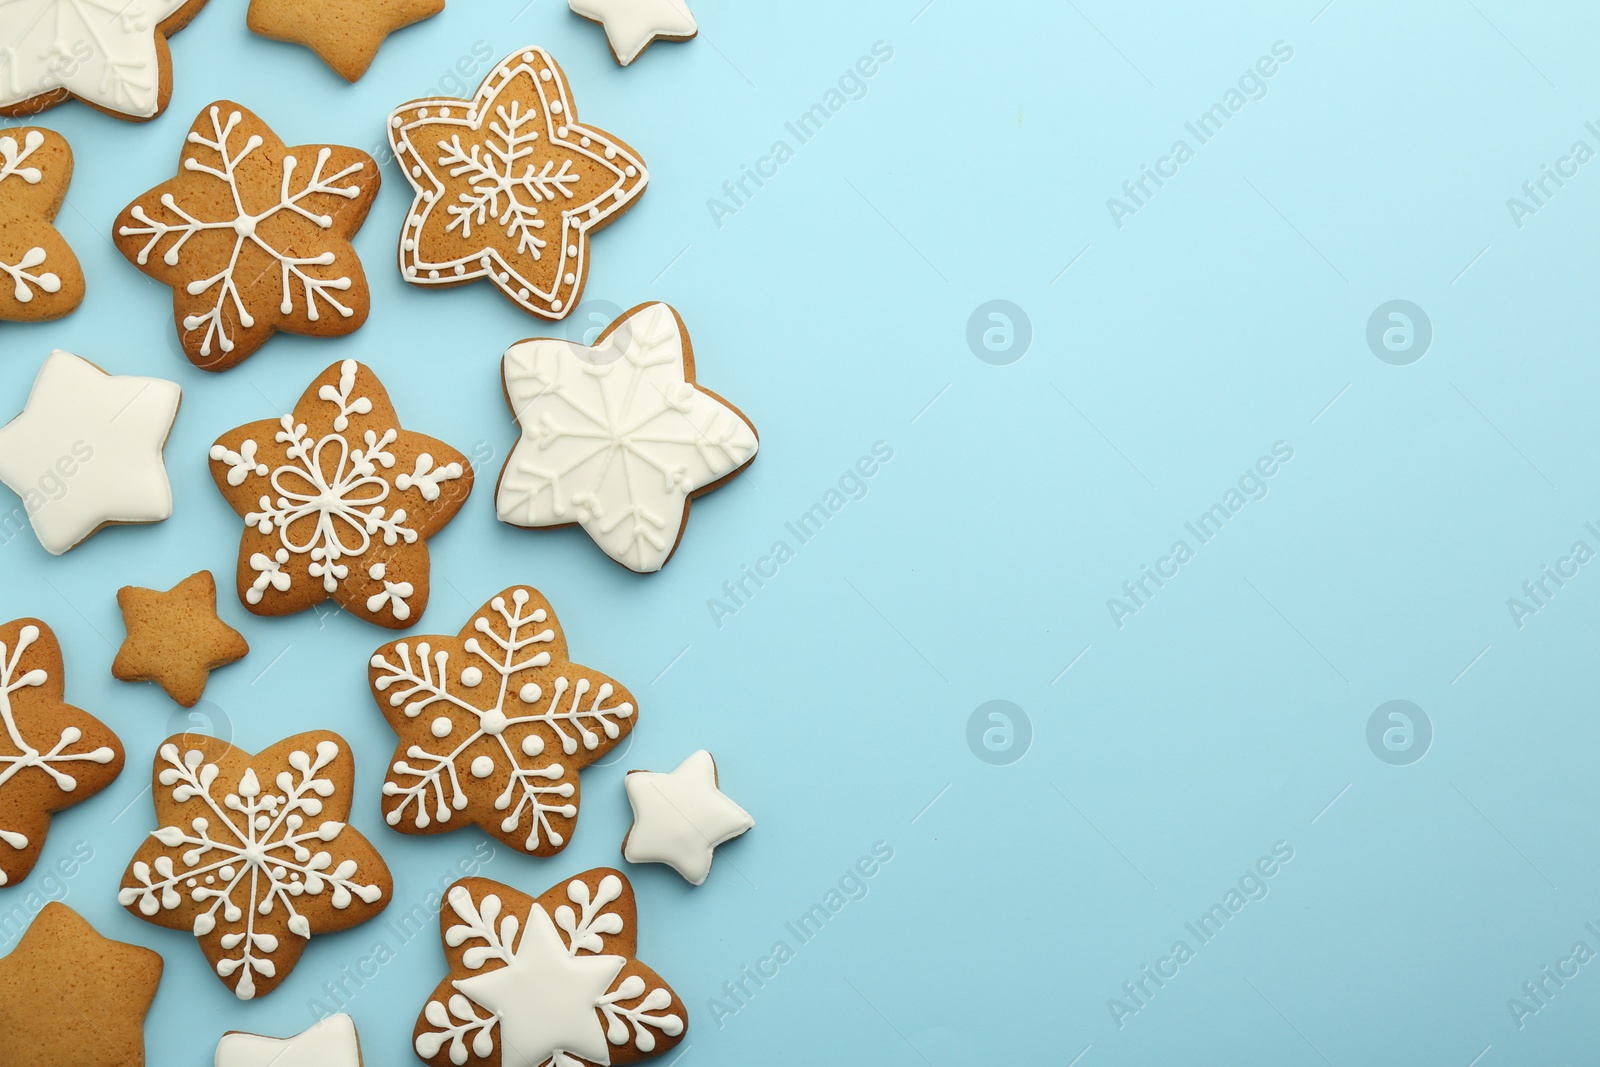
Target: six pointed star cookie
<point x="632" y="24"/>
<point x="277" y="220"/>
<point x="495" y="724"/>
<point x="618" y="437"/>
<point x="252" y="854"/>
<point x="52" y="755"/>
<point x="345" y="33"/>
<point x="510" y="185"/>
<point x="71" y="998"/>
<point x="338" y="502"/>
<point x="111" y="54"/>
<point x="329" y="1043"/>
<point x="86" y="452"/>
<point x="546" y="981"/>
<point x="39" y="276"/>
<point x="681" y="817"/>
<point x="175" y="638"/>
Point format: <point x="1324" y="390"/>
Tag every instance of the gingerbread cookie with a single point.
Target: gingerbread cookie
<point x="175" y="638"/>
<point x="617" y="438"/>
<point x="112" y="56"/>
<point x="546" y="981"/>
<point x="71" y="998"/>
<point x="253" y="237"/>
<point x="252" y="854"/>
<point x="52" y="755"/>
<point x="329" y="1043"/>
<point x="86" y="452"/>
<point x="631" y="25"/>
<point x="495" y="724"/>
<point x="338" y="502"/>
<point x="345" y="33"/>
<point x="510" y="185"/>
<point x="681" y="817"/>
<point x="39" y="276"/>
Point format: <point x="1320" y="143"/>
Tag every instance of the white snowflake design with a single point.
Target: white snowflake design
<point x="246" y="228"/>
<point x="554" y="995"/>
<point x="499" y="191"/>
<point x="101" y="50"/>
<point x="22" y="273"/>
<point x="239" y="863"/>
<point x="616" y="438"/>
<point x="499" y="702"/>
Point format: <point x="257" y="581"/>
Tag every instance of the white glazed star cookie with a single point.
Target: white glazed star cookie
<point x="329" y="1043"/>
<point x="632" y="24"/>
<point x="679" y="818"/>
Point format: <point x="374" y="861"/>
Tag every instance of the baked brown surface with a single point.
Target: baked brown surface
<point x="175" y="638"/>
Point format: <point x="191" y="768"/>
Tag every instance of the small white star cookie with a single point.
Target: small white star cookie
<point x="329" y="1043"/>
<point x="680" y="818"/>
<point x="632" y="24"/>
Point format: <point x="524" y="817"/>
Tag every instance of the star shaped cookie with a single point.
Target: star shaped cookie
<point x="338" y="502"/>
<point x="39" y="276"/>
<point x="71" y="998"/>
<point x="86" y="452"/>
<point x="345" y="33"/>
<point x="510" y="185"/>
<point x="329" y="1043"/>
<point x="253" y="237"/>
<point x="631" y="25"/>
<point x="175" y="638"/>
<point x="679" y="818"/>
<point x="617" y="438"/>
<point x="111" y="54"/>
<point x="551" y="980"/>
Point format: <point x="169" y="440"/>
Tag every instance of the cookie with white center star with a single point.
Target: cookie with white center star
<point x="329" y="1043"/>
<point x="631" y="25"/>
<point x="679" y="818"/>
<point x="344" y="33"/>
<point x="86" y="452"/>
<point x="40" y="277"/>
<point x="618" y="438"/>
<point x="175" y="638"/>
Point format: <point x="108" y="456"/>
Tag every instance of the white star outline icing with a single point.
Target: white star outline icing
<point x="523" y="213"/>
<point x="616" y="438"/>
<point x="21" y="272"/>
<point x="631" y="25"/>
<point x="681" y="816"/>
<point x="103" y="51"/>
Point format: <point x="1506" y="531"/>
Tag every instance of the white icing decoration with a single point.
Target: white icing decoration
<point x="680" y="818"/>
<point x="631" y="25"/>
<point x="615" y="438"/>
<point x="258" y="843"/>
<point x="22" y="273"/>
<point x="108" y="430"/>
<point x="23" y="752"/>
<point x="507" y="643"/>
<point x="101" y="50"/>
<point x="520" y="165"/>
<point x="246" y="227"/>
<point x="393" y="593"/>
<point x="555" y="996"/>
<point x="329" y="1043"/>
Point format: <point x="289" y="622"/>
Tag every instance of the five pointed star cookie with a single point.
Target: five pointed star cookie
<point x="52" y="755"/>
<point x="510" y="185"/>
<point x="618" y="438"/>
<point x="87" y="450"/>
<point x="338" y="502"/>
<point x="39" y="276"/>
<point x="345" y="33"/>
<point x="111" y="54"/>
<point x="71" y="998"/>
<point x="547" y="981"/>
<point x="632" y="24"/>
<point x="252" y="854"/>
<point x="175" y="638"/>
<point x="495" y="724"/>
<point x="681" y="817"/>
<point x="276" y="220"/>
<point x="329" y="1043"/>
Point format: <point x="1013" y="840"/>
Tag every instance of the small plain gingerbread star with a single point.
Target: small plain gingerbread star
<point x="175" y="637"/>
<point x="680" y="818"/>
<point x="345" y="33"/>
<point x="72" y="998"/>
<point x="632" y="24"/>
<point x="329" y="1043"/>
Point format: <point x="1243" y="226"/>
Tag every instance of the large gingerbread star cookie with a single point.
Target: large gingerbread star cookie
<point x="39" y="276"/>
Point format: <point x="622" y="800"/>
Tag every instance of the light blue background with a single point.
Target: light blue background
<point x="1229" y="714"/>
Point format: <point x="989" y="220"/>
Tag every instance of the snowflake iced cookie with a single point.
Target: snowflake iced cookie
<point x="87" y="450"/>
<point x="253" y="237"/>
<point x="509" y="186"/>
<point x="252" y="854"/>
<point x="39" y="276"/>
<point x="338" y="502"/>
<point x="617" y="438"/>
<point x="631" y="25"/>
<point x="546" y="982"/>
<point x="52" y="755"/>
<point x="72" y="998"/>
<point x="329" y="1043"/>
<point x="175" y="638"/>
<point x="111" y="54"/>
<point x="679" y="818"/>
<point x="346" y="34"/>
<point x="495" y="724"/>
